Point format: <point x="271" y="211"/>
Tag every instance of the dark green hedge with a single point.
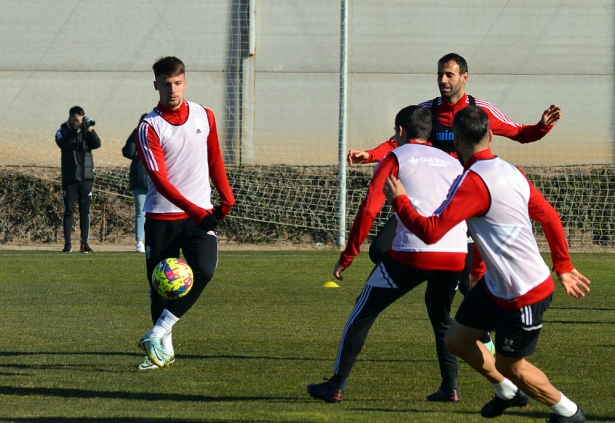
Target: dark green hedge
<point x="584" y="196"/>
<point x="281" y="203"/>
<point x="31" y="210"/>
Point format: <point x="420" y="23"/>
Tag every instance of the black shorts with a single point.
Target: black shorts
<point x="164" y="239"/>
<point x="516" y="331"/>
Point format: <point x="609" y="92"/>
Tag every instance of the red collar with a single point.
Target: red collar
<point x="481" y="155"/>
<point x="174" y="116"/>
<point x="455" y="107"/>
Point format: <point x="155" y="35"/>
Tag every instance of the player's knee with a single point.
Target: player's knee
<point x="203" y="275"/>
<point x="458" y="342"/>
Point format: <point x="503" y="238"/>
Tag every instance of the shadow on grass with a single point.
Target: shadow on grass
<point x="193" y="357"/>
<point x="137" y="396"/>
<point x="520" y="414"/>
<point x="582" y="308"/>
<point x="120" y="419"/>
<point x="414" y="410"/>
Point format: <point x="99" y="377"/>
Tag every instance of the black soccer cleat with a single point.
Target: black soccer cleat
<point x="444" y="396"/>
<point x="497" y="405"/>
<point x="85" y="248"/>
<point x="67" y="248"/>
<point x="325" y="391"/>
<point x="578" y="417"/>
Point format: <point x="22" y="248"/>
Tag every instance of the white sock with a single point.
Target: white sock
<point x="505" y="389"/>
<point x="163" y="325"/>
<point x="565" y="407"/>
<point x="167" y="343"/>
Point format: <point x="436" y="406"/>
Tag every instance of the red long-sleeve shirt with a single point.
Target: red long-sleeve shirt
<point x="153" y="158"/>
<point x="472" y="198"/>
<point x="498" y="123"/>
<point x="369" y="209"/>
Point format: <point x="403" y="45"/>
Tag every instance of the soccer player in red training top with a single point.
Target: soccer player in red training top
<point x="497" y="202"/>
<point x="179" y="148"/>
<point x="428" y="174"/>
<point x="452" y="77"/>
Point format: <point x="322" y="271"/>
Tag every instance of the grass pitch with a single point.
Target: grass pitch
<point x="263" y="329"/>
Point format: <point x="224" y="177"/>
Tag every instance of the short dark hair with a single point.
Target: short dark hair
<point x="470" y="125"/>
<point x="463" y="65"/>
<point x="416" y="121"/>
<point x="76" y="110"/>
<point x="169" y="65"/>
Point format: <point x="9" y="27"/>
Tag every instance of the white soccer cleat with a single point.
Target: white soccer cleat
<point x="153" y="348"/>
<point x="148" y="365"/>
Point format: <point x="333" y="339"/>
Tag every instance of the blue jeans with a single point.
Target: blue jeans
<point x="139" y="196"/>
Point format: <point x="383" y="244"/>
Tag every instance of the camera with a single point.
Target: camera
<point x="87" y="122"/>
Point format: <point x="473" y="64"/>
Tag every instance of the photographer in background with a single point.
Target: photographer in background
<point x="77" y="138"/>
<point x="137" y="179"/>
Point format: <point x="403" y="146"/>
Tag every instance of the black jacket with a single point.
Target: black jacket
<point x="77" y="159"/>
<point x="138" y="177"/>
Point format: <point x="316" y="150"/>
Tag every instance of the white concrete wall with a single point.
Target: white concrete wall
<point x="522" y="56"/>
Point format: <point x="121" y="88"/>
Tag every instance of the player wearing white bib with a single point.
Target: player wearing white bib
<point x="179" y="148"/>
<point x="428" y="174"/>
<point x="452" y="75"/>
<point x="497" y="202"/>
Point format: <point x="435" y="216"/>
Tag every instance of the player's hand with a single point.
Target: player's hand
<point x="551" y="115"/>
<point x="573" y="281"/>
<point x="393" y="188"/>
<point x="356" y="157"/>
<point x="337" y="271"/>
<point x="211" y="220"/>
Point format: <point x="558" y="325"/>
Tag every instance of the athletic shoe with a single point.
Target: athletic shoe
<point x="140" y="247"/>
<point x="153" y="348"/>
<point x="85" y="248"/>
<point x="444" y="396"/>
<point x="578" y="417"/>
<point x="497" y="405"/>
<point x="325" y="392"/>
<point x="490" y="347"/>
<point x="170" y="357"/>
<point x="148" y="365"/>
<point x="67" y="248"/>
